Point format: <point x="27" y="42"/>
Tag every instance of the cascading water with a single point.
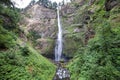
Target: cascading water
<point x="58" y="47"/>
<point x="61" y="73"/>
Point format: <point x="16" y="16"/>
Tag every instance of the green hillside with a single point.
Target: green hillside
<point x="99" y="57"/>
<point x="18" y="59"/>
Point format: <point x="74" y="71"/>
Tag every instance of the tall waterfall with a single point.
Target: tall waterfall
<point x="58" y="47"/>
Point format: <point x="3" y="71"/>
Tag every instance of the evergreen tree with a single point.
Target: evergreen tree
<point x="32" y="2"/>
<point x="48" y="4"/>
<point x="54" y="6"/>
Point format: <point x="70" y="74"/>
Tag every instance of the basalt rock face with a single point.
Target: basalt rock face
<point x="39" y="24"/>
<point x="109" y="4"/>
<point x="73" y="27"/>
<point x="76" y="19"/>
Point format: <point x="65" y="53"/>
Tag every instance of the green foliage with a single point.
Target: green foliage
<point x="100" y="58"/>
<point x="54" y="5"/>
<point x="34" y="34"/>
<point x="25" y="51"/>
<point x="16" y="66"/>
<point x="9" y="17"/>
<point x="70" y="49"/>
<point x="7" y="39"/>
<point x="18" y="61"/>
<point x="6" y="2"/>
<point x="73" y="37"/>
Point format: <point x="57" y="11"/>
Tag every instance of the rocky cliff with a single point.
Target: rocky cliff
<point x="39" y="24"/>
<point x="77" y="17"/>
<point x="73" y="30"/>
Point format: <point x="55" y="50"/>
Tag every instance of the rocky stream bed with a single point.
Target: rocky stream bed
<point x="62" y="73"/>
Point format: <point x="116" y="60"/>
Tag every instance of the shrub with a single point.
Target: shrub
<point x="6" y="38"/>
<point x="25" y="51"/>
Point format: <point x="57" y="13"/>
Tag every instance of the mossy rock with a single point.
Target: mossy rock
<point x="46" y="47"/>
<point x="71" y="45"/>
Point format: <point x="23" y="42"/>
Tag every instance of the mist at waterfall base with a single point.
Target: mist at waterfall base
<point x="59" y="42"/>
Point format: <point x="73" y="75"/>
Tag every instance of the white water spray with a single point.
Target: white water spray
<point x="58" y="47"/>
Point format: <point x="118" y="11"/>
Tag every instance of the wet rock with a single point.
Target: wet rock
<point x="109" y="4"/>
<point x="76" y="30"/>
<point x="62" y="74"/>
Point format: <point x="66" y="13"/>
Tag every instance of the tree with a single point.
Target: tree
<point x="48" y="4"/>
<point x="63" y="2"/>
<point x="32" y="2"/>
<point x="44" y="2"/>
<point x="7" y="3"/>
<point x="54" y="6"/>
<point x="8" y="22"/>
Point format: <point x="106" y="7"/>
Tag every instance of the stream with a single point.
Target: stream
<point x="61" y="72"/>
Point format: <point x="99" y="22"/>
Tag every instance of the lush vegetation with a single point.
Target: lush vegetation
<point x="93" y="34"/>
<point x="18" y="59"/>
<point x="20" y="63"/>
<point x="99" y="58"/>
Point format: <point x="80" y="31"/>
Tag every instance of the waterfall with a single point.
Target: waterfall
<point x="58" y="47"/>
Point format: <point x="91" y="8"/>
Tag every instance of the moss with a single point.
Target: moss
<point x="115" y="15"/>
<point x="71" y="44"/>
<point x="73" y="39"/>
<point x="49" y="50"/>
